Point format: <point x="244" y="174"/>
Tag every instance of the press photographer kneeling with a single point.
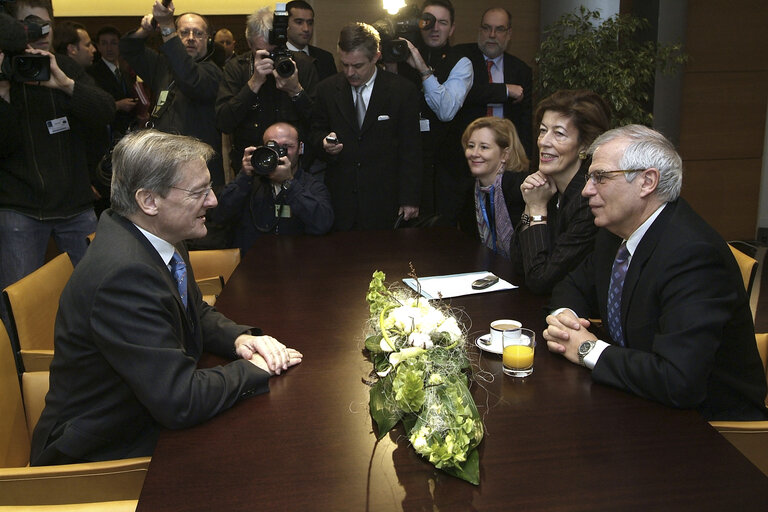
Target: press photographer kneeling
<point x="272" y="194"/>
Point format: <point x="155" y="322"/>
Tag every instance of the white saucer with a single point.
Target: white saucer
<point x="493" y="348"/>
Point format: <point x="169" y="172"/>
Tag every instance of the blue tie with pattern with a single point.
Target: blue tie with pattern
<point x="179" y="271"/>
<point x="618" y="274"/>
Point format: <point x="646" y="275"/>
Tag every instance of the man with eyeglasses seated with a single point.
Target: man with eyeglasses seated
<point x="277" y="195"/>
<point x="132" y="324"/>
<point x="670" y="295"/>
<point x="182" y="75"/>
<point x="503" y="84"/>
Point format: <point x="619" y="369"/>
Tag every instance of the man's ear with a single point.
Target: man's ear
<point x="146" y="201"/>
<point x="650" y="181"/>
<point x="71" y="50"/>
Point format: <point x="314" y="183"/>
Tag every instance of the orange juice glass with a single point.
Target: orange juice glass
<point x="517" y="355"/>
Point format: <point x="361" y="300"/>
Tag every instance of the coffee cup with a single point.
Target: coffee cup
<point x="499" y="327"/>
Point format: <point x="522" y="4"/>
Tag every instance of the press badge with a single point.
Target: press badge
<point x="283" y="210"/>
<point x="424" y="124"/>
<point x="57" y="125"/>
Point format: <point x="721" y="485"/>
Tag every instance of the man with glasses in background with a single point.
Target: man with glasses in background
<point x="678" y="326"/>
<point x="503" y="84"/>
<point x="183" y="76"/>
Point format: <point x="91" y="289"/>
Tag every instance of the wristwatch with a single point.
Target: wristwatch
<point x="526" y="219"/>
<point x="166" y="31"/>
<point x="425" y="74"/>
<point x="584" y="349"/>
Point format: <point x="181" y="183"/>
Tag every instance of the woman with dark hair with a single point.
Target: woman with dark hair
<point x="491" y="146"/>
<point x="557" y="229"/>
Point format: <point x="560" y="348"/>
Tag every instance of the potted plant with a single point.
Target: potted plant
<point x="608" y="57"/>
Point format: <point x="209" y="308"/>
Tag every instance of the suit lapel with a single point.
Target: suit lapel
<point x="641" y="257"/>
<point x="345" y="102"/>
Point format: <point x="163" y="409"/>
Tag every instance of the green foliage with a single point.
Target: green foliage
<point x="579" y="52"/>
<point x="378" y="295"/>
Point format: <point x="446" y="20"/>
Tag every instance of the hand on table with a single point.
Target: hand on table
<point x="565" y="332"/>
<point x="267" y="353"/>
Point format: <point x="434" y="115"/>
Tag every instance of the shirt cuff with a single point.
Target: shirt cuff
<point x="590" y="360"/>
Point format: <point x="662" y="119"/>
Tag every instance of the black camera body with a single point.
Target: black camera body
<point x="14" y="36"/>
<point x="406" y="24"/>
<point x="278" y="37"/>
<point x="284" y="66"/>
<point x="266" y="158"/>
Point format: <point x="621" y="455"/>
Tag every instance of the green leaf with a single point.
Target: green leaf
<point x="383" y="411"/>
<point x="469" y="471"/>
<point x="373" y="343"/>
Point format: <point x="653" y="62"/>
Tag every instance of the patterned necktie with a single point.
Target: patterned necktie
<point x="360" y="106"/>
<point x="618" y="274"/>
<point x="489" y="65"/>
<point x="179" y="271"/>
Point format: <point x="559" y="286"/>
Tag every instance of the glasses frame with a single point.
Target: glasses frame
<point x="186" y="32"/>
<point x="598" y="177"/>
<point x="196" y="194"/>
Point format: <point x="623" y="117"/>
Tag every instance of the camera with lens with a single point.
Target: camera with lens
<point x="407" y="24"/>
<point x="266" y="158"/>
<point x="283" y="63"/>
<point x="14" y="36"/>
<point x="278" y="37"/>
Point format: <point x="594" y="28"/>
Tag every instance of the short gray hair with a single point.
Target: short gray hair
<point x="259" y="23"/>
<point x="150" y="159"/>
<point x="647" y="148"/>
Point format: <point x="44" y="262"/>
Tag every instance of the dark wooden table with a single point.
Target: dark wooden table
<point x="554" y="441"/>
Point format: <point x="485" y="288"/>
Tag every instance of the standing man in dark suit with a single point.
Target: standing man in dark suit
<point x="108" y="74"/>
<point x="665" y="285"/>
<point x="132" y="323"/>
<point x="301" y="25"/>
<point x="509" y="93"/>
<point x="367" y="121"/>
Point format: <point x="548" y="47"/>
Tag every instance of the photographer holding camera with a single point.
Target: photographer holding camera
<point x="445" y="77"/>
<point x="47" y="109"/>
<point x="182" y="74"/>
<point x="268" y="85"/>
<point x="272" y="194"/>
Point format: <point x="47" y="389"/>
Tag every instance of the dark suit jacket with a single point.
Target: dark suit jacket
<point x="482" y="93"/>
<point x="379" y="168"/>
<point x="324" y="62"/>
<point x="119" y="90"/>
<point x="685" y="315"/>
<point x="126" y="354"/>
<point x="545" y="253"/>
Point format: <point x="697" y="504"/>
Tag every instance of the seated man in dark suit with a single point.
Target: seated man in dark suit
<point x="285" y="200"/>
<point x="367" y="122"/>
<point x="132" y="323"/>
<point x="665" y="285"/>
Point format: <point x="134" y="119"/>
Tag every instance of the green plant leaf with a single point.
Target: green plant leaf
<point x="469" y="471"/>
<point x="383" y="411"/>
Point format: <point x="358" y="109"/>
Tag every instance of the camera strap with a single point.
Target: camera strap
<point x="164" y="101"/>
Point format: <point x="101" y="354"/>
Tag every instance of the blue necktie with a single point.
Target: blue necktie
<point x="179" y="271"/>
<point x="618" y="274"/>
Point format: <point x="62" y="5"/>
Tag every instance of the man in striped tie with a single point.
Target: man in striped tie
<point x="664" y="283"/>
